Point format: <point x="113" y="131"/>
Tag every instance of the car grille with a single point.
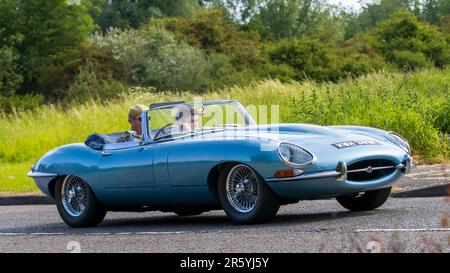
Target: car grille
<point x="370" y="169"/>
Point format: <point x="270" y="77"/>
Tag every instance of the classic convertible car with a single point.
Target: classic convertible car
<point x="195" y="157"/>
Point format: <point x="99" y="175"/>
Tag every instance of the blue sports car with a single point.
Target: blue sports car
<point x="195" y="157"/>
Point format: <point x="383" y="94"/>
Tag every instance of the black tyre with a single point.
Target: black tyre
<point x="363" y="201"/>
<point x="189" y="212"/>
<point x="244" y="195"/>
<point x="76" y="203"/>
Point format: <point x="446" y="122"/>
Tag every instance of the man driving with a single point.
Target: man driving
<point x="134" y="118"/>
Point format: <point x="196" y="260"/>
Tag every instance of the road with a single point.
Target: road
<point x="401" y="225"/>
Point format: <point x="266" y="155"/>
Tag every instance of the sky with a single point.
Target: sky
<point x="355" y="4"/>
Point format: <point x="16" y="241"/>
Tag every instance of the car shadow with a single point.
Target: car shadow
<point x="207" y="222"/>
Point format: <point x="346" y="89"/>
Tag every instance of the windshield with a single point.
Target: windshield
<point x="187" y="118"/>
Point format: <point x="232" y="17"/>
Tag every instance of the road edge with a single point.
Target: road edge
<point x="22" y="200"/>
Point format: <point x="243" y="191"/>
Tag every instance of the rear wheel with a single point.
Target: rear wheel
<point x="76" y="202"/>
<point x="244" y="195"/>
<point x="363" y="201"/>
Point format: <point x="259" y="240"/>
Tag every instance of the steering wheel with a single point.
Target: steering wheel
<point x="162" y="129"/>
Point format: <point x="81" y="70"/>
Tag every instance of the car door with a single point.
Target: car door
<point x="127" y="165"/>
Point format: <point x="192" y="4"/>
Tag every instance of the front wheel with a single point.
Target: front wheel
<point x="244" y="196"/>
<point x="363" y="201"/>
<point x="76" y="202"/>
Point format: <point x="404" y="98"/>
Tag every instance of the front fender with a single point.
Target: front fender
<point x="73" y="159"/>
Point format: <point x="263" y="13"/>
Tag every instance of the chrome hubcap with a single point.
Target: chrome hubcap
<point x="74" y="195"/>
<point x="242" y="188"/>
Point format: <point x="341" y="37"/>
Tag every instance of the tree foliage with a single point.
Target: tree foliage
<point x="41" y="30"/>
<point x="198" y="45"/>
<point x="151" y="56"/>
<point x="10" y="77"/>
<point x="409" y="43"/>
<point x="126" y="13"/>
<point x="211" y="31"/>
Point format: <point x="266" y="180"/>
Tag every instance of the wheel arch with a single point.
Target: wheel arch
<point x="52" y="184"/>
<point x="213" y="177"/>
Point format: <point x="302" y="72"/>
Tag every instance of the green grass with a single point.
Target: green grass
<point x="416" y="106"/>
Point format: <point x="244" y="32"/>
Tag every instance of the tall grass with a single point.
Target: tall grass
<point x="415" y="105"/>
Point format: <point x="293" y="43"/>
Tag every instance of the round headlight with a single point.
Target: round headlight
<point x="399" y="141"/>
<point x="295" y="156"/>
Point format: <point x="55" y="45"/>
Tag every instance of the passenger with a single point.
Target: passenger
<point x="187" y="119"/>
<point x="134" y="118"/>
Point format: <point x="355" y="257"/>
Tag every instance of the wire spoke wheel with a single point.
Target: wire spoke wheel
<point x="242" y="188"/>
<point x="74" y="193"/>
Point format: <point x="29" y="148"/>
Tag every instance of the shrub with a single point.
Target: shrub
<point x="19" y="103"/>
<point x="214" y="33"/>
<point x="405" y="41"/>
<point x="73" y="65"/>
<point x="309" y="57"/>
<point x="280" y="71"/>
<point x="409" y="60"/>
<point x="325" y="62"/>
<point x="87" y="85"/>
<point x="151" y="56"/>
<point x="357" y="57"/>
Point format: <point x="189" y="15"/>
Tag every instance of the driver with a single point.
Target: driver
<point x="134" y="118"/>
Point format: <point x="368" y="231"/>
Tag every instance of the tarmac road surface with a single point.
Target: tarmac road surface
<point x="401" y="225"/>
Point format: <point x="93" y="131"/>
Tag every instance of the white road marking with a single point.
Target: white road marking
<point x="140" y="233"/>
<point x="160" y="232"/>
<point x="91" y="233"/>
<point x="48" y="233"/>
<point x="401" y="229"/>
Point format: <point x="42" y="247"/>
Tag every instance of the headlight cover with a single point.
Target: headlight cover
<point x="295" y="156"/>
<point x="399" y="141"/>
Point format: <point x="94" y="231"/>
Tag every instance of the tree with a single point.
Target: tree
<point x="211" y="31"/>
<point x="10" y="36"/>
<point x="87" y="60"/>
<point x="409" y="43"/>
<point x="375" y="12"/>
<point x="10" y="78"/>
<point x="10" y="19"/>
<point x="241" y="11"/>
<point x="289" y="18"/>
<point x="309" y="57"/>
<point x="151" y="56"/>
<point x="48" y="28"/>
<point x="435" y="10"/>
<point x="280" y="18"/>
<point x="127" y="13"/>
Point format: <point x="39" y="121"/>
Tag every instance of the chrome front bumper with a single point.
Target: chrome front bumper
<point x="340" y="173"/>
<point x="42" y="180"/>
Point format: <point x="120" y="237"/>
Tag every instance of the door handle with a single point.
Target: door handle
<point x="106" y="154"/>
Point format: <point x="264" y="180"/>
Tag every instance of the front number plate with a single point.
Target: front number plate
<point x="353" y="143"/>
